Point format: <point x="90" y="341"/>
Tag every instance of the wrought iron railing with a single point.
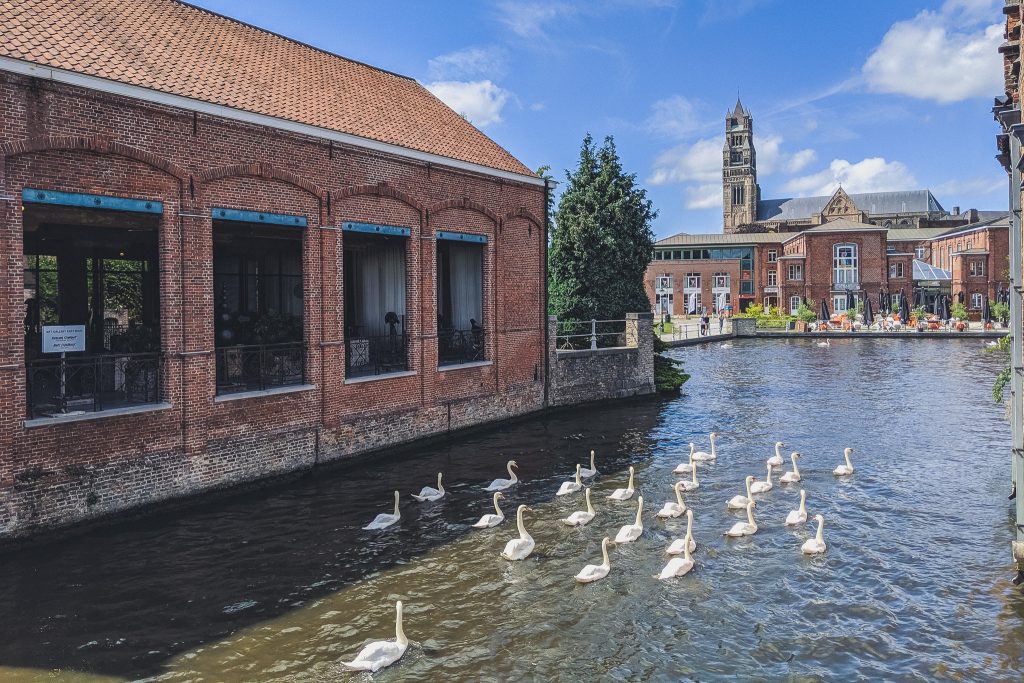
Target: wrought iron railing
<point x="376" y="355"/>
<point x="456" y="347"/>
<point x="592" y="334"/>
<point x="91" y="383"/>
<point x="260" y="367"/>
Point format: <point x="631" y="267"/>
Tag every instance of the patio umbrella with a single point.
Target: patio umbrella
<point x="986" y="312"/>
<point x="850" y="303"/>
<point x="937" y="305"/>
<point x="868" y="314"/>
<point x="881" y="301"/>
<point x="823" y="314"/>
<point x="904" y="308"/>
<point x="960" y="295"/>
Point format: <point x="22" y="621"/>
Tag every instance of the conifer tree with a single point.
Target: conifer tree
<point x="601" y="242"/>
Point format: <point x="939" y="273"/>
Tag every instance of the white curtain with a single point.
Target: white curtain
<point x="465" y="270"/>
<point x="379" y="287"/>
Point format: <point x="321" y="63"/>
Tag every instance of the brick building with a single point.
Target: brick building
<point x="278" y="256"/>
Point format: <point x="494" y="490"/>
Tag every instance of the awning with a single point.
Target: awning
<point x="926" y="271"/>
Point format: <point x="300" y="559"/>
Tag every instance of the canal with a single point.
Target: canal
<point x="281" y="584"/>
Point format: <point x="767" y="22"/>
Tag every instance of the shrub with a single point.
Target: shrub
<point x="958" y="310"/>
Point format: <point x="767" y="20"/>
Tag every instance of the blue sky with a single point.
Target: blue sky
<point x="877" y="95"/>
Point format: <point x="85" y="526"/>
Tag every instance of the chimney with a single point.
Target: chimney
<point x="956" y="210"/>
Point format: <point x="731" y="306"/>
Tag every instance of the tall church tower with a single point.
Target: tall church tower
<point x="739" y="170"/>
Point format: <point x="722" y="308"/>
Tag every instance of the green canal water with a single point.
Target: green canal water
<point x="282" y="584"/>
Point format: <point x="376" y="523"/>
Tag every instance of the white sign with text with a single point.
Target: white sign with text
<point x="63" y="338"/>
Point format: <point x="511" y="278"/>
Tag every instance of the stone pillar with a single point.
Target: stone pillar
<point x="640" y="335"/>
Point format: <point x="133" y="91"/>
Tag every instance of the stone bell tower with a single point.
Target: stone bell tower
<point x="740" y="192"/>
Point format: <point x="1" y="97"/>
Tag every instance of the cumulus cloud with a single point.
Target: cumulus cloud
<point x="480" y="102"/>
<point x="873" y="174"/>
<point x="468" y="64"/>
<point x="801" y="160"/>
<point x="945" y="56"/>
<point x="703" y="196"/>
<point x="674" y="116"/>
<point x="700" y="162"/>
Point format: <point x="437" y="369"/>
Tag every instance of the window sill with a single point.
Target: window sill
<point x="97" y="415"/>
<point x="385" y="375"/>
<point x="463" y="366"/>
<point x="242" y="395"/>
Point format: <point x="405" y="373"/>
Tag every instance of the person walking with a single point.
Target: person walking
<point x="721" y="321"/>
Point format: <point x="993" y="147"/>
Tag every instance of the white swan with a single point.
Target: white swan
<point x="701" y="456"/>
<point x="588" y="472"/>
<point x="502" y="484"/>
<point x="740" y="502"/>
<point x="626" y="493"/>
<point x="429" y="494"/>
<point x="747" y="528"/>
<point x="674" y="509"/>
<point x="685" y="467"/>
<point x="677" y="546"/>
<point x="631" y="532"/>
<point x="691" y="485"/>
<point x="824" y="343"/>
<point x="763" y="486"/>
<point x="519" y="548"/>
<point x="581" y="517"/>
<point x="384" y="520"/>
<point x="487" y="521"/>
<point x="794" y="476"/>
<point x="798" y="516"/>
<point x="725" y="345"/>
<point x="776" y="460"/>
<point x="816" y="545"/>
<point x="381" y="653"/>
<point x="846" y="469"/>
<point x="593" y="572"/>
<point x="568" y="487"/>
<point x="677" y="566"/>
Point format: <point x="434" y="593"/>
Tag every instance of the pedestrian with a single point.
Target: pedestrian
<point x="705" y="323"/>
<point x="721" y="321"/>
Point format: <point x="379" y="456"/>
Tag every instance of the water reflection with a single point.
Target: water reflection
<point x="282" y="586"/>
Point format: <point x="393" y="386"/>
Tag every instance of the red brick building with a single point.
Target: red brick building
<point x="277" y="257"/>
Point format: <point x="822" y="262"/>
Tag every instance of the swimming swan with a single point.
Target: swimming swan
<point x="677" y="546"/>
<point x="740" y="502"/>
<point x="747" y="528"/>
<point x="502" y="484"/>
<point x="794" y="476"/>
<point x="568" y="487"/>
<point x="674" y="509"/>
<point x="691" y="485"/>
<point x="776" y="460"/>
<point x="824" y="344"/>
<point x="429" y="494"/>
<point x="381" y="653"/>
<point x="626" y="493"/>
<point x="581" y="517"/>
<point x="593" y="572"/>
<point x="685" y="467"/>
<point x="816" y="545"/>
<point x="384" y="520"/>
<point x="701" y="456"/>
<point x="763" y="486"/>
<point x="846" y="469"/>
<point x="631" y="532"/>
<point x="519" y="548"/>
<point x="586" y="472"/>
<point x="798" y="516"/>
<point x="487" y="521"/>
<point x="677" y="566"/>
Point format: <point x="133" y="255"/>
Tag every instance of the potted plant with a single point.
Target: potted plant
<point x="1001" y="312"/>
<point x="919" y="317"/>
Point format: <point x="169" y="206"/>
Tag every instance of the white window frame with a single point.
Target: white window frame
<point x="692" y="282"/>
<point x="896" y="270"/>
<point x="977" y="268"/>
<point x="977" y="301"/>
<point x="794" y="304"/>
<point x="663" y="282"/>
<point x="838" y="303"/>
<point x="773" y="255"/>
<point x="845" y="264"/>
<point x="796" y="272"/>
<point x="720" y="281"/>
<point x="773" y="277"/>
<point x="919" y="253"/>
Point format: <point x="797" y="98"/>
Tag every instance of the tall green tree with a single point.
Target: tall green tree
<point x="602" y="241"/>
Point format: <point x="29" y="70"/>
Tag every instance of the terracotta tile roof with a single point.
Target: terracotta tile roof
<point x="176" y="48"/>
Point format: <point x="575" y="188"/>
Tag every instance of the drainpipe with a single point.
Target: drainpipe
<point x="1017" y="346"/>
<point x="544" y="288"/>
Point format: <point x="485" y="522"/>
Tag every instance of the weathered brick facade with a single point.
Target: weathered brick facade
<point x="66" y="138"/>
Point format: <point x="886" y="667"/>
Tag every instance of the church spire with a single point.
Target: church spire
<point x="738" y="110"/>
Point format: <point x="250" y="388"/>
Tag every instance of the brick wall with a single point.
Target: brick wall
<point x="65" y="138"/>
<point x="604" y="373"/>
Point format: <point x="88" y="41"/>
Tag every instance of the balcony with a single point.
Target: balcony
<point x="458" y="347"/>
<point x="366" y="356"/>
<point x="56" y="387"/>
<point x="262" y="367"/>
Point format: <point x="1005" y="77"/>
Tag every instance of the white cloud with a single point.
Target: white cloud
<point x="945" y="56"/>
<point x="674" y="116"/>
<point x="772" y="158"/>
<point x="479" y="101"/>
<point x="801" y="160"/>
<point x="700" y="162"/>
<point x="470" y="63"/>
<point x="704" y="196"/>
<point x="951" y="190"/>
<point x="528" y="19"/>
<point x="874" y="174"/>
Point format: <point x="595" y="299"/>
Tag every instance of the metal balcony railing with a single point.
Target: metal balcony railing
<point x="366" y="356"/>
<point x="260" y="367"/>
<point x="92" y="383"/>
<point x="456" y="347"/>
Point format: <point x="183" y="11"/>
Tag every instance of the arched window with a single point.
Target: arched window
<point x="844" y="264"/>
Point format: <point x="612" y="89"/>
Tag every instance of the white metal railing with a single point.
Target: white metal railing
<point x="592" y="334"/>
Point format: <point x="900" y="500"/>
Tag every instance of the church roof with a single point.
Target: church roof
<point x="738" y="110"/>
<point x="844" y="225"/>
<point x="795" y="208"/>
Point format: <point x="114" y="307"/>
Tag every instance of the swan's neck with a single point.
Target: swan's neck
<point x="630" y="484"/>
<point x="522" y="529"/>
<point x="496" y="508"/>
<point x="820" y="536"/>
<point x="689" y="528"/>
<point x="769" y="477"/>
<point x="439" y="487"/>
<point x="777" y="453"/>
<point x="604" y="555"/>
<point x="796" y="470"/>
<point x="750" y="514"/>
<point x="396" y="503"/>
<point x="639" y="512"/>
<point x="748" y="487"/>
<point x="803" y="502"/>
<point x="713" y="453"/>
<point x="590" y="508"/>
<point x="693" y="475"/>
<point x="593" y="464"/>
<point x="846" y="455"/>
<point x="399" y="631"/>
<point x="579" y="482"/>
<point x="511" y="473"/>
<point x="679" y="496"/>
<point x="686" y="551"/>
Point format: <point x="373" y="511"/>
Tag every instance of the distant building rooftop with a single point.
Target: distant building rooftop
<point x="701" y="239"/>
<point x="794" y="208"/>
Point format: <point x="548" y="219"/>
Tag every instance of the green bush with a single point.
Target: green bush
<point x="958" y="310"/>
<point x="806" y="313"/>
<point x="668" y="372"/>
<point x="1000" y="312"/>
